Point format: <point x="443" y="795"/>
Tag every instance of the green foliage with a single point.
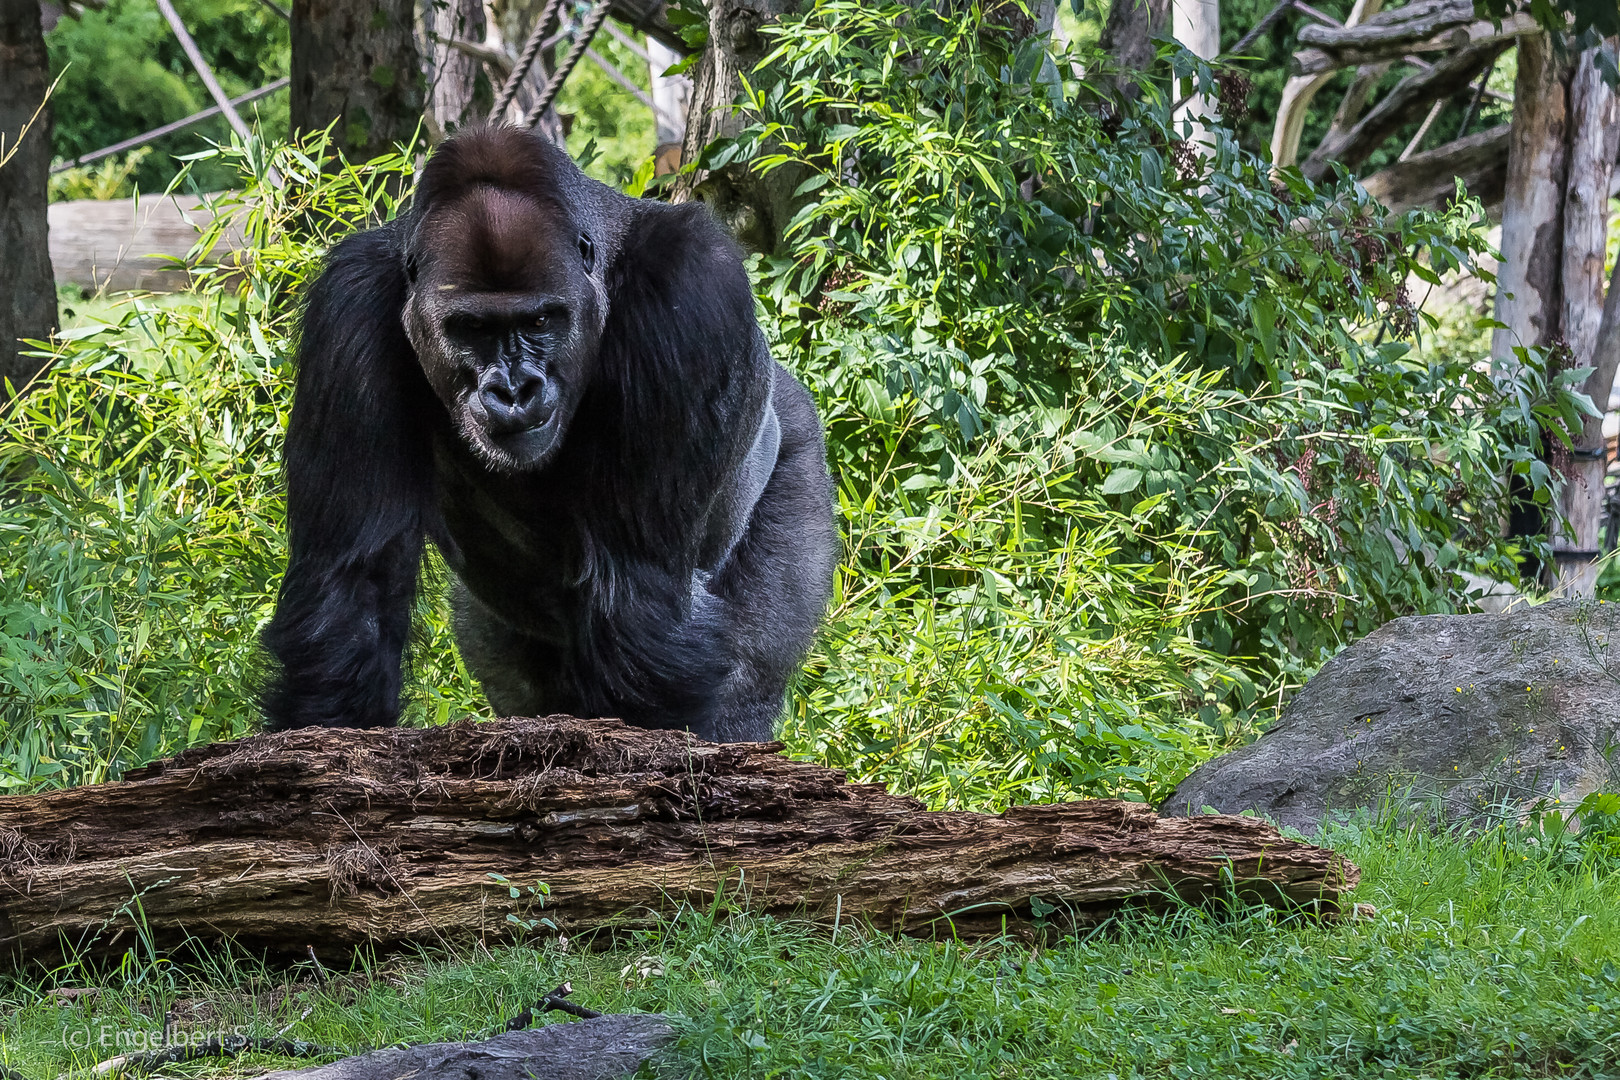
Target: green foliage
<point x="1090" y="393"/>
<point x="141" y="526"/>
<point x="123" y="72"/>
<point x="1484" y="958"/>
<point x="110" y="178"/>
<point x="607" y="117"/>
<point x="1124" y="442"/>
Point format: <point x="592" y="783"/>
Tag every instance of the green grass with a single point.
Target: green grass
<point x="1491" y="956"/>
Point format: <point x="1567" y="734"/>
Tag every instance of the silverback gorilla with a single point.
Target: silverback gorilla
<point x="566" y="391"/>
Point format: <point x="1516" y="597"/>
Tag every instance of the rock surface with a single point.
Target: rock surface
<point x="605" y="1048"/>
<point x="1470" y="715"/>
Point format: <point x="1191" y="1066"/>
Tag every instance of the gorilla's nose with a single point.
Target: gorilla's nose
<point x="513" y="399"/>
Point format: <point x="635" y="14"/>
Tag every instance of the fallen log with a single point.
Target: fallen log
<point x="1430" y="179"/>
<point x="340" y="838"/>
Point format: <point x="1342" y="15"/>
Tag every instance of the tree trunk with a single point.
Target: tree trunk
<point x="756" y="209"/>
<point x="1128" y="36"/>
<point x="356" y="63"/>
<point x="454" y="89"/>
<point x="1527" y="296"/>
<point x="1528" y="301"/>
<point x="339" y="838"/>
<point x="27" y="290"/>
<point x="1594" y="140"/>
<point x="672" y="97"/>
<point x="1197" y="25"/>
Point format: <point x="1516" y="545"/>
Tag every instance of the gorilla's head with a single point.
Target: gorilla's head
<point x="505" y="311"/>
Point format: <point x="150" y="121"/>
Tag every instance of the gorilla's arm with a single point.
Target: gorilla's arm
<point x="684" y="354"/>
<point x="359" y="481"/>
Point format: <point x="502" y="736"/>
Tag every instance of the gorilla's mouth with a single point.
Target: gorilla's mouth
<point x="527" y="447"/>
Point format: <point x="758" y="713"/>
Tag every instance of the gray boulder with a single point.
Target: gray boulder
<point x="1466" y="716"/>
<point x="605" y="1048"/>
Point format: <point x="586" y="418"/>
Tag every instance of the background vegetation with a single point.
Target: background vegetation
<point x="122" y="73"/>
<point x="1127" y="440"/>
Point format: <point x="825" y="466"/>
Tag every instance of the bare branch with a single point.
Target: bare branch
<point x="1430" y="179"/>
<point x="1410" y="98"/>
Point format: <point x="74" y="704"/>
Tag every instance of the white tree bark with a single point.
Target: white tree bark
<point x="1300" y="89"/>
<point x="1594" y="140"/>
<point x="1197" y="25"/>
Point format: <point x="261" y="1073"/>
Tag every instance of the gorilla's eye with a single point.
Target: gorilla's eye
<point x="587" y="251"/>
<point x="464" y="325"/>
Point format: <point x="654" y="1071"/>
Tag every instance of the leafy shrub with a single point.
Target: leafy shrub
<point x="1239" y="448"/>
<point x="141" y="526"/>
<point x="110" y="178"/>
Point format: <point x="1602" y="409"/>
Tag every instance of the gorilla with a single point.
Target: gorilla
<point x="566" y="391"/>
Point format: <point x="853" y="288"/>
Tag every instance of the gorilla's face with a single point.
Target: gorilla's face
<point x="505" y="313"/>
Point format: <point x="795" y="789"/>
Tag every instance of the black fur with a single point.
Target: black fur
<point x="597" y="573"/>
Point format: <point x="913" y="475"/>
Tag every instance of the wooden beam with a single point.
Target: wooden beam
<point x="1410" y="98"/>
<point x="1430" y="179"/>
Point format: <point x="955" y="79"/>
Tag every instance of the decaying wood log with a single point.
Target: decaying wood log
<point x="383" y="837"/>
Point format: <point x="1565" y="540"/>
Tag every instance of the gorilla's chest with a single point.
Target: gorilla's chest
<point x="517" y="543"/>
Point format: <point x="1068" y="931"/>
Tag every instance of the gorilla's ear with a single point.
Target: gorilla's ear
<point x="682" y="356"/>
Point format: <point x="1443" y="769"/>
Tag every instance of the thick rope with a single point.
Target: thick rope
<point x="525" y="60"/>
<point x="582" y="41"/>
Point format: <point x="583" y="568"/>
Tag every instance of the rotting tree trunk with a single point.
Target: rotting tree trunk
<point x="356" y="63"/>
<point x="27" y="290"/>
<point x="338" y="838"/>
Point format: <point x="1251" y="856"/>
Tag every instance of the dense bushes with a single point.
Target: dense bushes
<point x="141" y="528"/>
<point x="1125" y="440"/>
<point x="1108" y="408"/>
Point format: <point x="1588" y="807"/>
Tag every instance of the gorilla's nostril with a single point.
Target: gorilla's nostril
<point x="527" y="390"/>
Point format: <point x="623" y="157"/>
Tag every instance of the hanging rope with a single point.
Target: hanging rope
<point x="582" y="41"/>
<point x="525" y="60"/>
